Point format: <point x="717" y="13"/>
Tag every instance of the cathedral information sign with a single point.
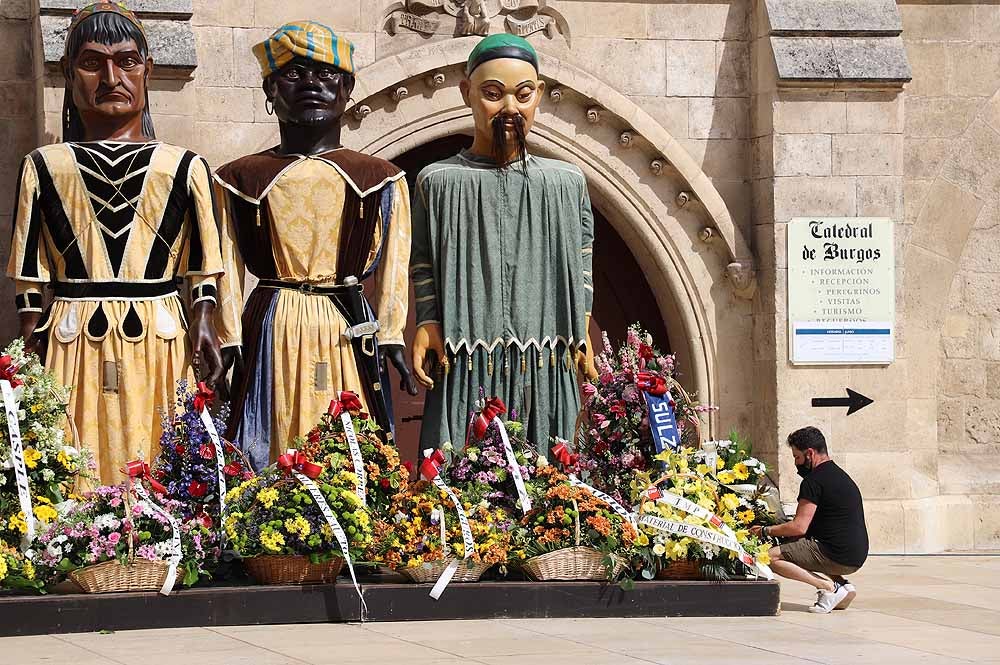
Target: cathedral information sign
<point x="841" y="290"/>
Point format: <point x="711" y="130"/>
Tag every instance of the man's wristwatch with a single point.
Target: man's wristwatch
<point x="764" y="531"/>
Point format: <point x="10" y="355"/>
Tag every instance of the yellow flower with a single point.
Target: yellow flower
<point x="3" y="568"/>
<point x="267" y="496"/>
<point x="31" y="457"/>
<point x="68" y="463"/>
<point x="45" y="513"/>
<point x="702" y="469"/>
<point x="29" y="570"/>
<point x="230" y="524"/>
<point x="659" y="549"/>
<point x="720" y="464"/>
<point x="17" y="523"/>
<point x="745" y="515"/>
<point x="726" y="477"/>
<point x="706" y="503"/>
<point x="642" y="540"/>
<point x="272" y="541"/>
<point x="730" y="501"/>
<point x="298" y="525"/>
<point x="763" y="556"/>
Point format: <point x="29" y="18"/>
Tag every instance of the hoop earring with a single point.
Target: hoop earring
<point x="269" y="107"/>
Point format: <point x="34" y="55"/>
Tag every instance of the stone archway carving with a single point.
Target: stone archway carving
<point x="653" y="193"/>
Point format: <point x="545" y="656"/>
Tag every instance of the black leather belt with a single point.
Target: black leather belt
<point x="304" y="287"/>
<point x="113" y="290"/>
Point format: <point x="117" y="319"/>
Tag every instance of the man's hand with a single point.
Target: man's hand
<point x="756" y="531"/>
<point x="429" y="339"/>
<point x="206" y="352"/>
<point x="394" y="353"/>
<point x="32" y="343"/>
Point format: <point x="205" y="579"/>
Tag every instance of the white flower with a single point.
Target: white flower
<point x="163" y="549"/>
<point x="22" y="414"/>
<point x="751" y="461"/>
<point x="106" y="521"/>
<point x="541" y="461"/>
<point x="48" y="474"/>
<point x="473" y="456"/>
<point x="447" y="447"/>
<point x="7" y="463"/>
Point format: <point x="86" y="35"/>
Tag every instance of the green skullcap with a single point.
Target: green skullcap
<point x="499" y="46"/>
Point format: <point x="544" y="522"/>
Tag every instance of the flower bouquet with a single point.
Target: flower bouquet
<point x="328" y="443"/>
<point x="113" y="539"/>
<point x="571" y="534"/>
<point x="187" y="465"/>
<point x="423" y="535"/>
<point x="279" y="528"/>
<point x="732" y="463"/>
<point x="691" y="526"/>
<point x="17" y="572"/>
<point x="481" y="470"/>
<point x="614" y="437"/>
<point x="51" y="463"/>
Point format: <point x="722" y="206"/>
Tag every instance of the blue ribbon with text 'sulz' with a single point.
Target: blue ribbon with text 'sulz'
<point x="662" y="421"/>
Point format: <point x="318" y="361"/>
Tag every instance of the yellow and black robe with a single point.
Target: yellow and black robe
<point x="109" y="226"/>
<point x="302" y="224"/>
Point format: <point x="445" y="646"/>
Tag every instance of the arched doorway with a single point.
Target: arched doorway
<point x="622" y="294"/>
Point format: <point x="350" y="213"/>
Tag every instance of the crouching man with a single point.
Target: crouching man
<point x="827" y="539"/>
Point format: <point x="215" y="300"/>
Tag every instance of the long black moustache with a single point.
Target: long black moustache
<point x="501" y="144"/>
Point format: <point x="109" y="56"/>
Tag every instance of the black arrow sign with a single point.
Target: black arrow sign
<point x="854" y="401"/>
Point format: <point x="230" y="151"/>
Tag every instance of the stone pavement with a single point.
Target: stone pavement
<point x="941" y="610"/>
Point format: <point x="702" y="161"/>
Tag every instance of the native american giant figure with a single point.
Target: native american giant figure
<point x="501" y="263"/>
<point x="311" y="219"/>
<point x="108" y="219"/>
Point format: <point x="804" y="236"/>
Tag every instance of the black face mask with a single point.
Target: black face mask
<point x="804" y="469"/>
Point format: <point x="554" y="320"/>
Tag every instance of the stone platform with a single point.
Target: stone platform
<point x="248" y="605"/>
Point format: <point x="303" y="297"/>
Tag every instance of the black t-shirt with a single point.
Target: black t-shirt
<point x="839" y="523"/>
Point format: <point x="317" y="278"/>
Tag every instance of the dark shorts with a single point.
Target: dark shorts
<point x="806" y="553"/>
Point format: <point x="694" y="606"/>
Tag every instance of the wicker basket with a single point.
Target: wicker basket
<point x="112" y="576"/>
<point x="430" y="572"/>
<point x="570" y="563"/>
<point x="292" y="569"/>
<point x="680" y="570"/>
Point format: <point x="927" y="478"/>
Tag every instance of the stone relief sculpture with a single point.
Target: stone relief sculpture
<point x="475" y="17"/>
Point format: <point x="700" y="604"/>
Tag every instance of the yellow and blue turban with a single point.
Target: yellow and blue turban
<point x="308" y="39"/>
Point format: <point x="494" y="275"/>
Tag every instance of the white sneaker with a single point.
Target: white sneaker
<point x="846" y="602"/>
<point x="827" y="600"/>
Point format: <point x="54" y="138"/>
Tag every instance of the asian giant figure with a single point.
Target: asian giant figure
<point x="108" y="219"/>
<point x="311" y="219"/>
<point x="501" y="263"/>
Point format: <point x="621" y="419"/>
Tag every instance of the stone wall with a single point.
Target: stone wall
<point x="952" y="166"/>
<point x="789" y="107"/>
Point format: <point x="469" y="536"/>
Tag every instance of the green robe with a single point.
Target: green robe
<point x="503" y="261"/>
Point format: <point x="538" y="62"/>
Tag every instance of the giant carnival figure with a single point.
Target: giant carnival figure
<point x="108" y="219"/>
<point x="312" y="219"/>
<point x="501" y="263"/>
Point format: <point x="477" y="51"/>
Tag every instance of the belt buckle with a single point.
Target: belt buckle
<point x="305" y="287"/>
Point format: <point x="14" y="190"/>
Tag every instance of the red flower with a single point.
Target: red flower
<point x="204" y="519"/>
<point x="314" y="436"/>
<point x="601" y="447"/>
<point x="233" y="469"/>
<point x="248" y="474"/>
<point x="645" y="352"/>
<point x="197" y="489"/>
<point x="384" y="483"/>
<point x="618" y="409"/>
<point x="408" y="465"/>
<point x="207" y="451"/>
<point x="180" y="448"/>
<point x="228" y="447"/>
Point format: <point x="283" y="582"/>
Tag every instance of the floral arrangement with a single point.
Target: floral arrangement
<point x="411" y="536"/>
<point x="734" y="463"/>
<point x="53" y="465"/>
<point x="481" y="472"/>
<point x="273" y="513"/>
<point x="684" y="477"/>
<point x="327" y="443"/>
<point x="617" y="441"/>
<point x="111" y="523"/>
<point x="17" y="572"/>
<point x="558" y="506"/>
<point x="187" y="466"/>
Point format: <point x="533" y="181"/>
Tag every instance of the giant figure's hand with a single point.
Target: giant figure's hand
<point x="396" y="355"/>
<point x="32" y="343"/>
<point x="205" y="344"/>
<point x="429" y="339"/>
<point x="585" y="361"/>
<point x="232" y="358"/>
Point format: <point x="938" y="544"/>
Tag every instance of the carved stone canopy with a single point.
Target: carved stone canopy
<point x="475" y="17"/>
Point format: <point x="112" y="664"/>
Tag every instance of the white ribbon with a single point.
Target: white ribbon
<point x="705" y="535"/>
<point x="356" y="458"/>
<point x="692" y="508"/>
<point x="17" y="459"/>
<point x="175" y="538"/>
<point x="515" y="468"/>
<point x="338" y="531"/>
<point x="470" y="545"/>
<point x="220" y="462"/>
<point x="615" y="506"/>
